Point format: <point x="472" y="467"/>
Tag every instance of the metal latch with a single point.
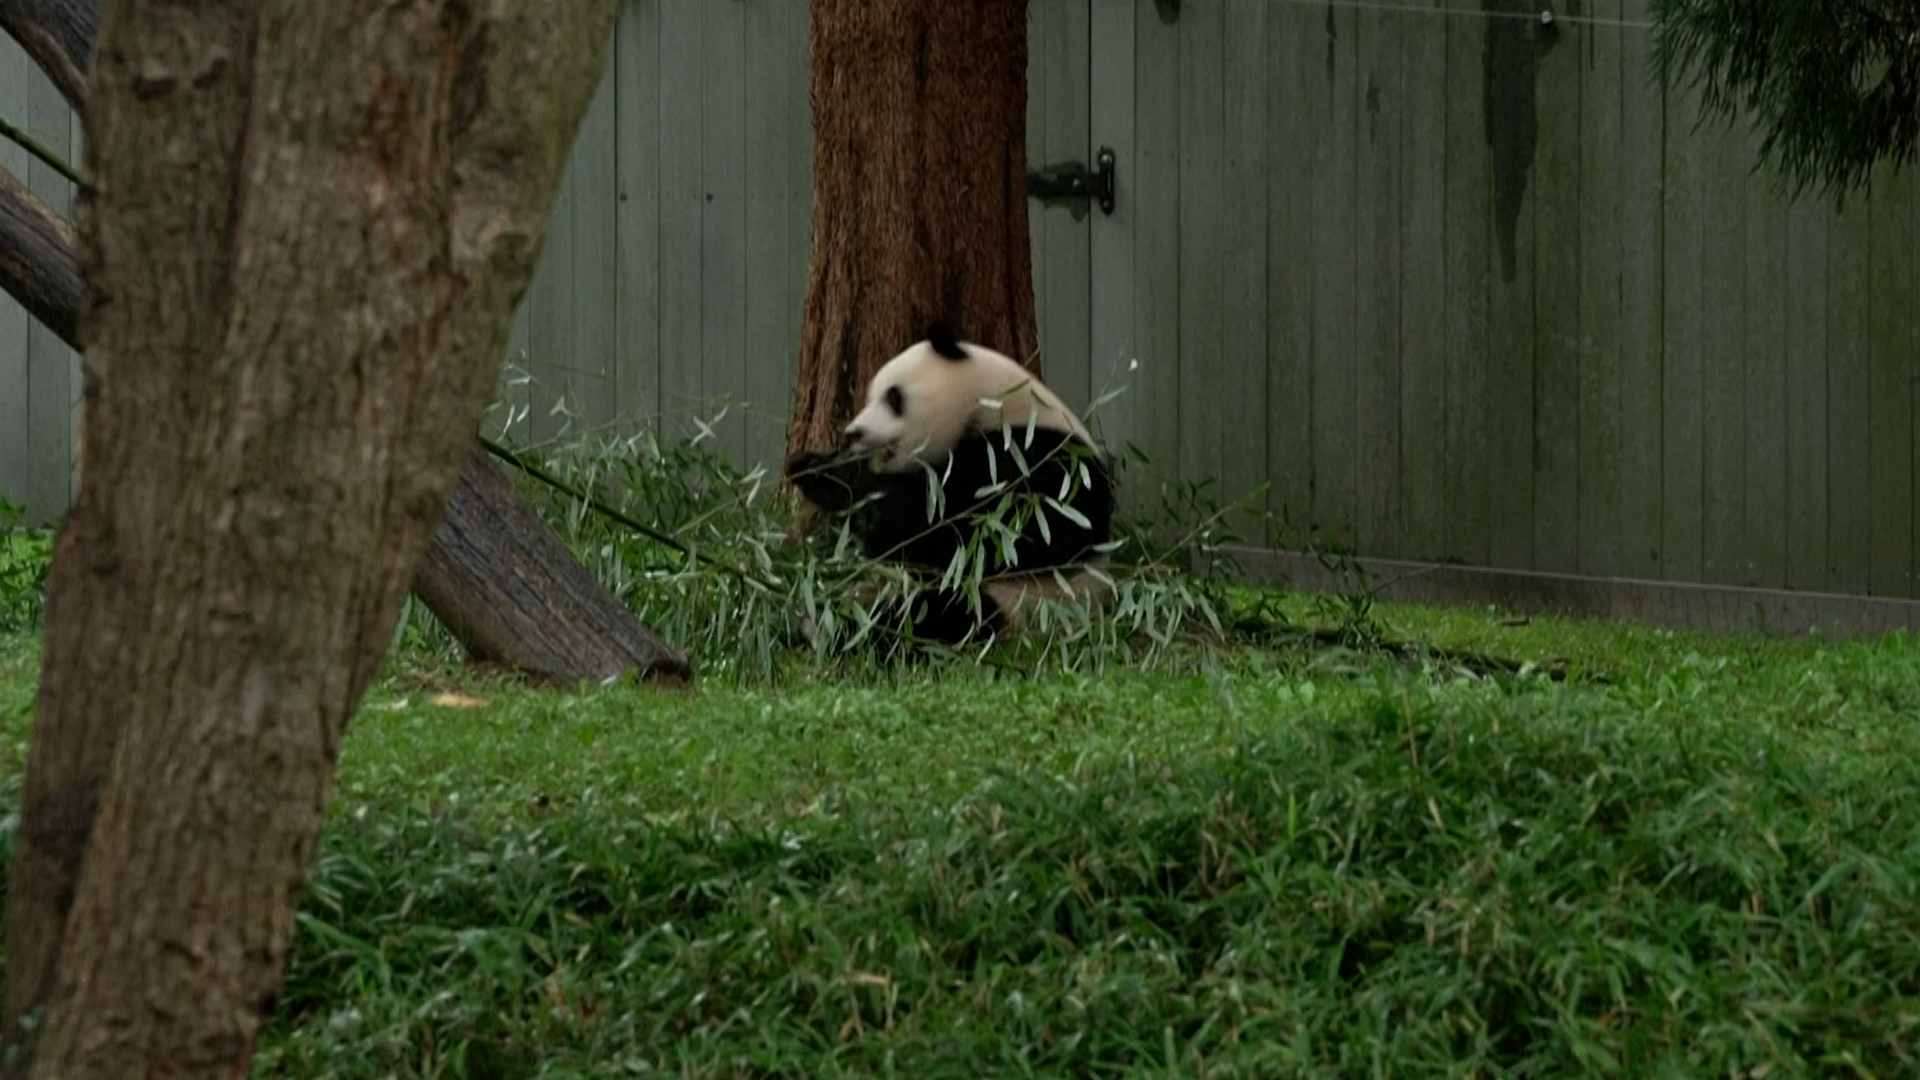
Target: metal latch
<point x="1075" y="181"/>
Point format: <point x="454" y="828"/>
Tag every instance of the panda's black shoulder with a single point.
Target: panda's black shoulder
<point x="943" y="341"/>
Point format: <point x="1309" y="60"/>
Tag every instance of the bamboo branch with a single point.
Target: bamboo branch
<point x="33" y="146"/>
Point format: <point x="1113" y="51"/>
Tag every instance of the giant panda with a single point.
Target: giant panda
<point x="943" y="434"/>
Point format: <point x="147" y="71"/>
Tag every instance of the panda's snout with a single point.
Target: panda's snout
<point x="853" y="437"/>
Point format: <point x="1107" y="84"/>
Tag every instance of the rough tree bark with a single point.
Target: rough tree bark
<point x="920" y="208"/>
<point x="301" y="266"/>
<point x="503" y="583"/>
<point x="491" y="544"/>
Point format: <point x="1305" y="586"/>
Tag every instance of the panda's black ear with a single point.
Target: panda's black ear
<point x="941" y="337"/>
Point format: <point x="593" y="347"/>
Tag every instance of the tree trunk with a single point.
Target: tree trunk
<point x="920" y="206"/>
<point x="301" y="267"/>
<point x="577" y="631"/>
<point x="513" y="594"/>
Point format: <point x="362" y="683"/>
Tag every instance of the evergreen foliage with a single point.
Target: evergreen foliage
<point x="1834" y="85"/>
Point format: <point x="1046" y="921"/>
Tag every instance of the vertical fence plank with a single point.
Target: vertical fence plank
<point x="1111" y="250"/>
<point x="1202" y="33"/>
<point x="1040" y="76"/>
<point x="1065" y="343"/>
<point x="772" y="343"/>
<point x="1240" y="434"/>
<point x="594" y="299"/>
<point x="1156" y="253"/>
<point x="553" y="391"/>
<point x="1378" y="103"/>
<point x="1511" y="88"/>
<point x="49" y="359"/>
<point x="1682" y="341"/>
<point x="1557" y="319"/>
<point x="1333" y="95"/>
<point x="1469" y="243"/>
<point x="1723" y="540"/>
<point x="1423" y="283"/>
<point x="1765" y="381"/>
<point x="723" y="222"/>
<point x="1849" y="401"/>
<point x="1890" y="381"/>
<point x="515" y="393"/>
<point x="1068" y="364"/>
<point x="1807" y="447"/>
<point x="799" y="191"/>
<point x="1642" y="284"/>
<point x="682" y="202"/>
<point x="16" y="471"/>
<point x="636" y="57"/>
<point x="1602" y="156"/>
<point x="1913" y="386"/>
<point x="1294" y="39"/>
<point x="76" y="379"/>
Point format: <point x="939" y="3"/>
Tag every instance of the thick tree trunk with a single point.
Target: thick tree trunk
<point x="302" y="264"/>
<point x="579" y="629"/>
<point x="513" y="594"/>
<point x="920" y="207"/>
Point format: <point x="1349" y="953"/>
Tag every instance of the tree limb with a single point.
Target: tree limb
<point x="58" y="35"/>
<point x="37" y="263"/>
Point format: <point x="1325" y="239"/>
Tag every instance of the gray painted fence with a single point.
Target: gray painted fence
<point x="39" y="375"/>
<point x="1457" y="286"/>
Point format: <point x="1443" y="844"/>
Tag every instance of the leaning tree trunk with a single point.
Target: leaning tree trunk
<point x="919" y="207"/>
<point x="514" y="596"/>
<point x="301" y="265"/>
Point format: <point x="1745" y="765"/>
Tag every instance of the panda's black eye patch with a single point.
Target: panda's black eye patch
<point x="896" y="401"/>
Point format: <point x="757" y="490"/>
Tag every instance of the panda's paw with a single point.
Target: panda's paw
<point x="804" y="460"/>
<point x="821" y="479"/>
<point x="946" y="617"/>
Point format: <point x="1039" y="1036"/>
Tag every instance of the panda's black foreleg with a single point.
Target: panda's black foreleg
<point x="831" y="482"/>
<point x="945" y="616"/>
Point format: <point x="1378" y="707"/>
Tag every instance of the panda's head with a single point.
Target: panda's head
<point x="924" y="401"/>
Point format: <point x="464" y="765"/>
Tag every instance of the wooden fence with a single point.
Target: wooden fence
<point x="39" y="375"/>
<point x="1459" y="284"/>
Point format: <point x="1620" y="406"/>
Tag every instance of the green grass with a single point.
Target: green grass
<point x="1695" y="856"/>
<point x="1615" y="852"/>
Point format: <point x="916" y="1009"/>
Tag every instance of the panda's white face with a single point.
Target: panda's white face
<point x="920" y="404"/>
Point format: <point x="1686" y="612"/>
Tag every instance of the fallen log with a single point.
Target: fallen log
<point x="513" y="595"/>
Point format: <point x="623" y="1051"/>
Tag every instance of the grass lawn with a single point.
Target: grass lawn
<point x="1692" y="857"/>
